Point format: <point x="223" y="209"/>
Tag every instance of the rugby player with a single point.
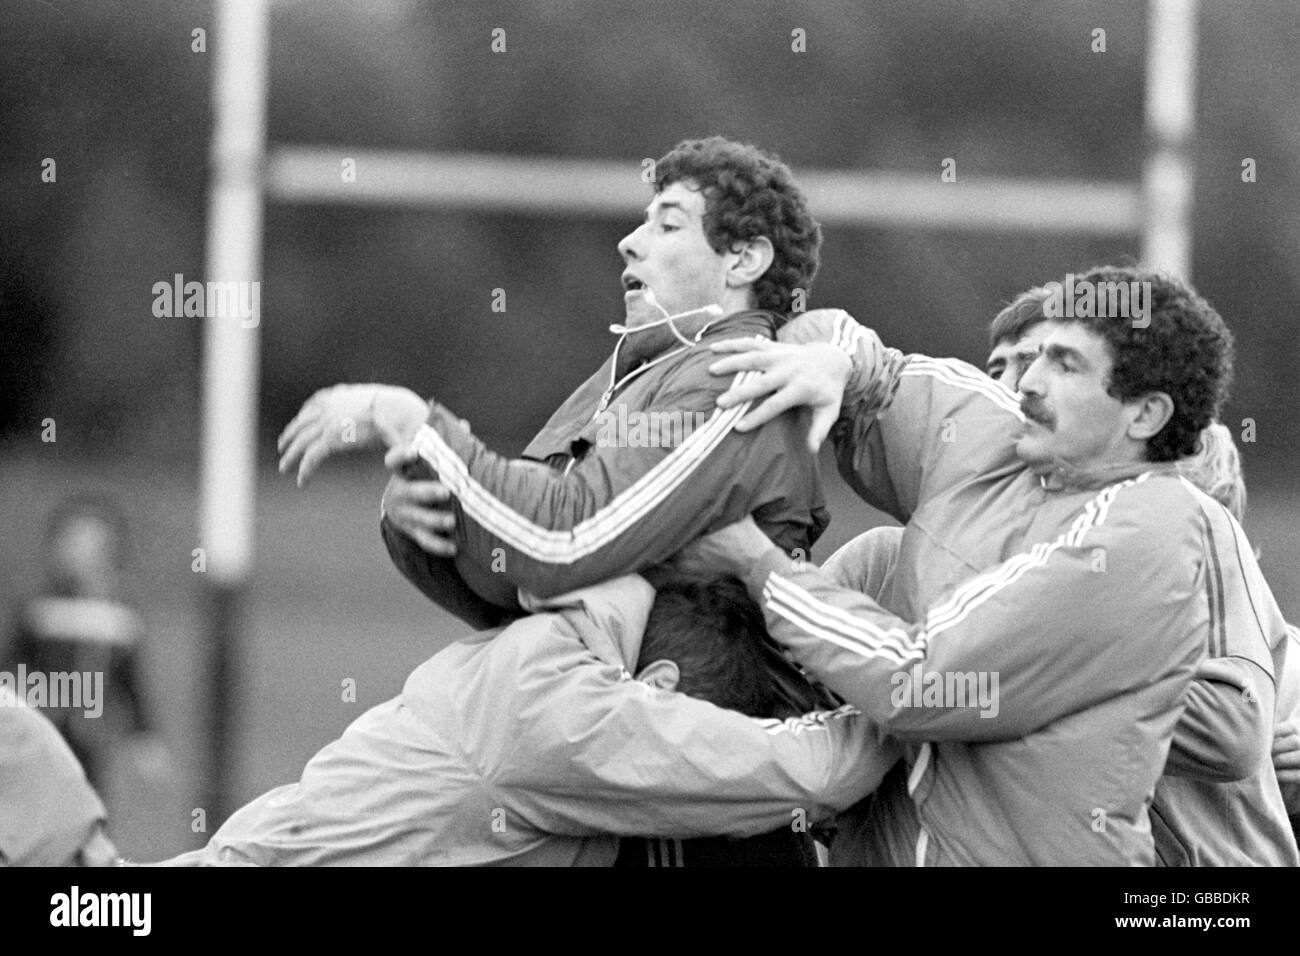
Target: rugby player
<point x="533" y="745"/>
<point x="726" y="245"/>
<point x="1219" y="802"/>
<point x="1041" y="537"/>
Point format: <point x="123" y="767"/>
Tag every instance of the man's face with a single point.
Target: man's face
<point x="669" y="253"/>
<point x="1008" y="360"/>
<point x="1069" y="416"/>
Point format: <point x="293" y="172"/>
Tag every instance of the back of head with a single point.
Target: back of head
<point x="750" y="193"/>
<point x="1216" y="469"/>
<point x="1180" y="347"/>
<point x="712" y="629"/>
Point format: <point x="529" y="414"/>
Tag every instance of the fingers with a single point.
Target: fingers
<point x="433" y="529"/>
<point x="316" y="453"/>
<point x="442" y="547"/>
<point x="745" y="362"/>
<point x="749" y="391"/>
<point x="398" y="456"/>
<point x="782" y="401"/>
<point x="756" y="343"/>
<point x="421" y="493"/>
<point x="822" y="420"/>
<point x="302" y="440"/>
<point x="309" y="412"/>
<point x="1286" y="753"/>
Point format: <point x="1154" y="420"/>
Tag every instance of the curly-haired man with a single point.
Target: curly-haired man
<point x="1049" y="542"/>
<point x="638" y="461"/>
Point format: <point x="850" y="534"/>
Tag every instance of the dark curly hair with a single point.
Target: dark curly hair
<point x="750" y="193"/>
<point x="1186" y="352"/>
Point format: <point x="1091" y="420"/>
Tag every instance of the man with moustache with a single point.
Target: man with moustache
<point x="1218" y="802"/>
<point x="1048" y="540"/>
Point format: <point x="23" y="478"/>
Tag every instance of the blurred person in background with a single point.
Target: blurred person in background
<point x="79" y="623"/>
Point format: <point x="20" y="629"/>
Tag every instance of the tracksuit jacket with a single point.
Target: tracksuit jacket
<point x="1223" y="806"/>
<point x="1088" y="596"/>
<point x="589" y="500"/>
<point x="535" y="746"/>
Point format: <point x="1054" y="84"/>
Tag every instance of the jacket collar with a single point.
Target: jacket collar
<point x="1065" y="477"/>
<point x="576" y="412"/>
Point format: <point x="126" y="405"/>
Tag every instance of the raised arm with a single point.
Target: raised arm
<point x="628" y="503"/>
<point x="909" y="425"/>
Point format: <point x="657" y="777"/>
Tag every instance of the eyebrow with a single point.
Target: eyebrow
<point x="670" y="204"/>
<point x="1057" y="352"/>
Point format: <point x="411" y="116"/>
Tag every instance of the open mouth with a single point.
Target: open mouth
<point x="632" y="284"/>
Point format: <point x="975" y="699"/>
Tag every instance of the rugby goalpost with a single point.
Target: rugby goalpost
<point x="244" y="174"/>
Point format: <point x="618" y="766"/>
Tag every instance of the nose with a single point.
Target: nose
<point x="629" y="247"/>
<point x="1031" y="381"/>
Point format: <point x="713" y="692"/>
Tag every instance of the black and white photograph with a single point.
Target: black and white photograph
<point x="557" y="433"/>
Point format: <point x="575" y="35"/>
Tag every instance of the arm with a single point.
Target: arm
<point x="628" y="759"/>
<point x="1226" y="730"/>
<point x="416" y="502"/>
<point x="593" y="751"/>
<point x="866" y="564"/>
<point x="439" y="580"/>
<point x="1049" y="633"/>
<point x="910" y="425"/>
<point x="626" y="505"/>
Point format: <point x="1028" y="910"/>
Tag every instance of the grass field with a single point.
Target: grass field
<point x="325" y="606"/>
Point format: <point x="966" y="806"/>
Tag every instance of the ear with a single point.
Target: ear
<point x="661" y="673"/>
<point x="752" y="260"/>
<point x="1150" y="414"/>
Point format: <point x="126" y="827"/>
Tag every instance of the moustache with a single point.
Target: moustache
<point x="1035" y="412"/>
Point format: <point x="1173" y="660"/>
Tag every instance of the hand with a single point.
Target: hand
<point x="729" y="550"/>
<point x="792" y="375"/>
<point x="347" y="418"/>
<point x="1286" y="752"/>
<point x="412" y="507"/>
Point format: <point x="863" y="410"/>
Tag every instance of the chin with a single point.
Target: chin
<point x="1033" y="454"/>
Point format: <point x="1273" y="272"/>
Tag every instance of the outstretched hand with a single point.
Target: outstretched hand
<point x="333" y="420"/>
<point x="792" y="376"/>
<point x="348" y="418"/>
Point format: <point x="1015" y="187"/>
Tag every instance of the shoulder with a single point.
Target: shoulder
<point x="1163" y="513"/>
<point x="962" y="383"/>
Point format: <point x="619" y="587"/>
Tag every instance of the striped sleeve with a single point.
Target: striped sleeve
<point x="910" y="425"/>
<point x="1110" y="606"/>
<point x="624" y="506"/>
<point x="1226" y="731"/>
